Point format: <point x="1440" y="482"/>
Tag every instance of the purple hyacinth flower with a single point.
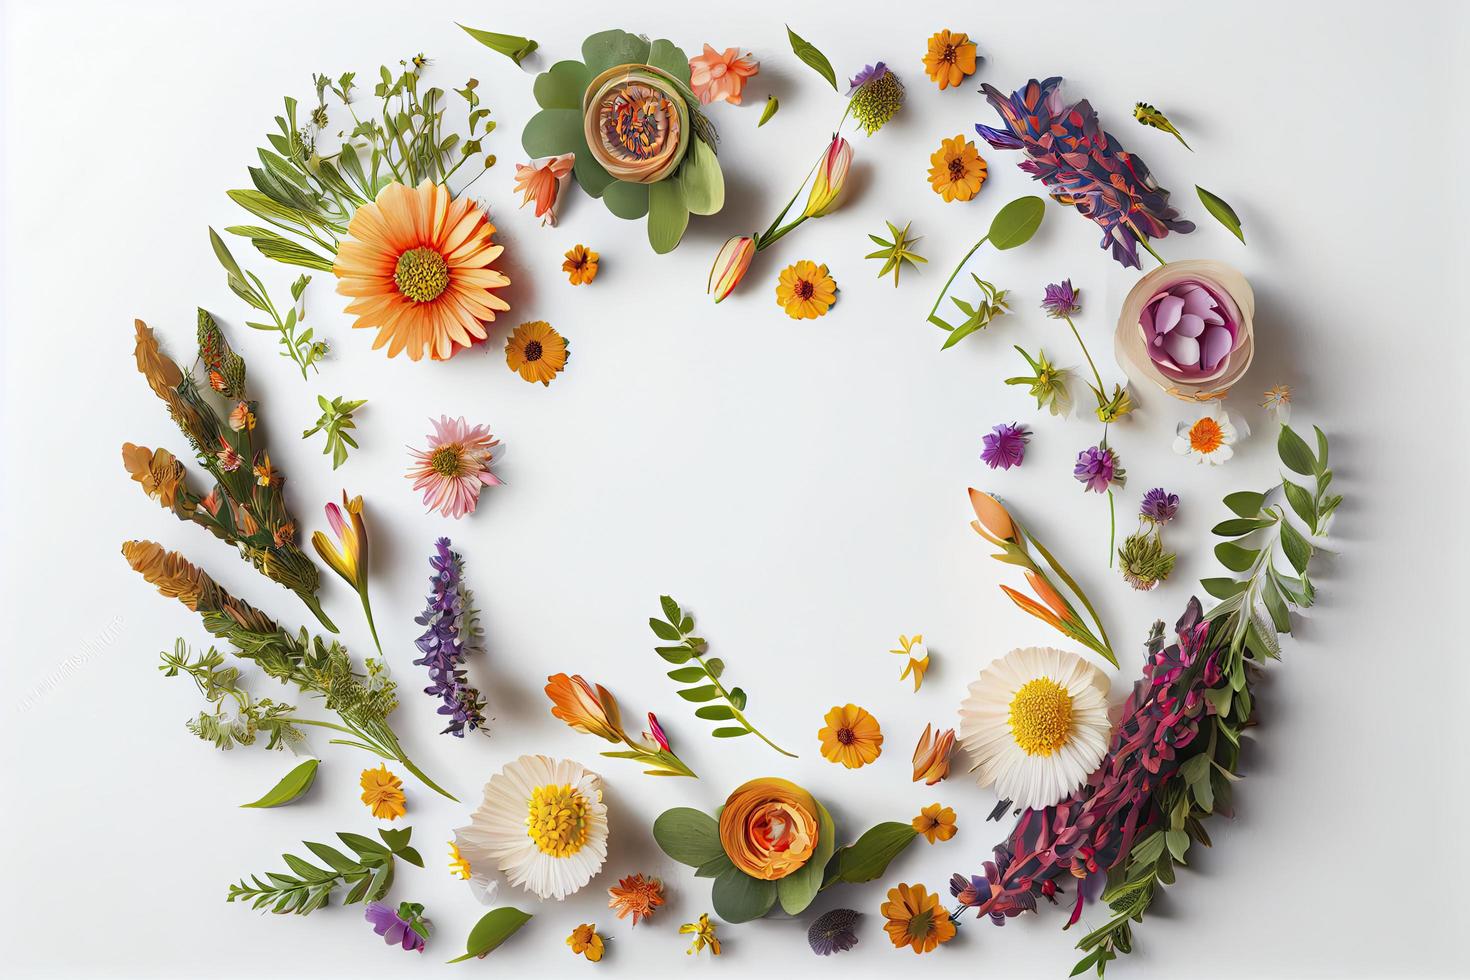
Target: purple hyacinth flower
<point x="833" y="932"/>
<point x="452" y="632"/>
<point x="403" y="927"/>
<point x="1060" y="300"/>
<point x="1159" y="506"/>
<point x="1005" y="446"/>
<point x="1097" y="469"/>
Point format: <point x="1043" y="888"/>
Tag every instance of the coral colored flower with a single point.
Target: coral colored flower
<point x="229" y="457"/>
<point x="1209" y="439"/>
<point x="704" y="935"/>
<point x="585" y="941"/>
<point x="1004" y="446"/>
<point x="454" y="467"/>
<point x="935" y="823"/>
<point x="720" y="76"/>
<point x="830" y="178"/>
<point x="587" y="708"/>
<point x="580" y="265"/>
<point x="931" y="755"/>
<point x="916" y="919"/>
<point x="637" y="896"/>
<point x="993" y="520"/>
<point x="730" y="266"/>
<point x="951" y="56"/>
<point x="851" y="737"/>
<point x="806" y="290"/>
<point x="537" y="352"/>
<point x="956" y="170"/>
<point x="383" y="793"/>
<point x="417" y="265"/>
<point x="543" y="182"/>
<point x="241" y="417"/>
<point x="212" y="502"/>
<point x="768" y="828"/>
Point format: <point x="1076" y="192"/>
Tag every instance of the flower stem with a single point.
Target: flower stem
<point x="940" y="298"/>
<point x="739" y="716"/>
<point x="368" y="611"/>
<point x="1097" y="377"/>
<point x="1112" y="528"/>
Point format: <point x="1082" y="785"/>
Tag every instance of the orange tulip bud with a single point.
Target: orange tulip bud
<point x="730" y="266"/>
<point x="992" y="516"/>
<point x="1049" y="595"/>
<point x="586" y="709"/>
<point x="1033" y="607"/>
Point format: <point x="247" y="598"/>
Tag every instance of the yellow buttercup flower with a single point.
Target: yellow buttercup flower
<point x="585" y="941"/>
<point x="806" y="290"/>
<point x="580" y="265"/>
<point x="851" y="737"/>
<point x="536" y="351"/>
<point x="917" y="653"/>
<point x="957" y="169"/>
<point x="704" y="935"/>
<point x="935" y="823"/>
<point x="951" y="56"/>
<point x="383" y="793"/>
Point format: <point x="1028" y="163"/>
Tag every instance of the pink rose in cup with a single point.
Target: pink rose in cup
<point x="1190" y="328"/>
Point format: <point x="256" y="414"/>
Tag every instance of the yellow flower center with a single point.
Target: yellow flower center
<point x="1041" y="716"/>
<point x="1205" y="436"/>
<point x="421" y="275"/>
<point x="557" y="820"/>
<point x="445" y="460"/>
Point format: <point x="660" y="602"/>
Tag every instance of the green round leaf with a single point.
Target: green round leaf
<point x="1234" y="557"/>
<point x="494" y="928"/>
<point x="669" y="57"/>
<point x="1245" y="503"/>
<point x="554" y="131"/>
<point x="562" y="86"/>
<point x="292" y="786"/>
<point x="611" y="48"/>
<point x="1015" y="223"/>
<point x="625" y="199"/>
<point x="738" y="897"/>
<point x="688" y="836"/>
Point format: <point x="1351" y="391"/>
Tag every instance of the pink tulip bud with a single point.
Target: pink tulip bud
<point x="730" y="266"/>
<point x="830" y="177"/>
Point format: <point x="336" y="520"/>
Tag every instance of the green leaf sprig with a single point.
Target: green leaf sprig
<point x="1013" y="226"/>
<point x="896" y="253"/>
<point x="703" y="675"/>
<point x="308" y="887"/>
<point x="298" y="347"/>
<point x="336" y="422"/>
<point x="247" y="720"/>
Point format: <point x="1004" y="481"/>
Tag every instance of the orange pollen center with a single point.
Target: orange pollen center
<point x="1205" y="436"/>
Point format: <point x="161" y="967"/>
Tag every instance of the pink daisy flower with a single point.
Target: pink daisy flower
<point x="455" y="466"/>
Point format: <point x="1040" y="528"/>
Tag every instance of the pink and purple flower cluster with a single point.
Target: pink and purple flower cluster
<point x="452" y="631"/>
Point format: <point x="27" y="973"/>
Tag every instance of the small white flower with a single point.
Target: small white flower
<point x="1211" y="437"/>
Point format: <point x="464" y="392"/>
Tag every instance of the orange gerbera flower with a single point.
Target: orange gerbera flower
<point x="916" y="919"/>
<point x="581" y="265"/>
<point x="957" y="170"/>
<point x="637" y="895"/>
<point x="851" y="737"/>
<point x="536" y="351"/>
<point x="417" y="266"/>
<point x="806" y="290"/>
<point x="950" y="58"/>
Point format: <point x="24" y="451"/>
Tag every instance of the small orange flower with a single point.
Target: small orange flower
<point x="951" y="56"/>
<point x="383" y="793"/>
<point x="536" y="351"/>
<point x="588" y="708"/>
<point x="636" y="895"/>
<point x="916" y="919"/>
<point x="720" y="76"/>
<point x="581" y="265"/>
<point x="806" y="290"/>
<point x="543" y="181"/>
<point x="957" y="170"/>
<point x="935" y="823"/>
<point x="585" y="941"/>
<point x="851" y="737"/>
<point x="931" y="755"/>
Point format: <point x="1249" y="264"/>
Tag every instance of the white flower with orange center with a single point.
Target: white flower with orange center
<point x="1036" y="724"/>
<point x="1210" y="438"/>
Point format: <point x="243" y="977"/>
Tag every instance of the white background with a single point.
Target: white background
<point x="799" y="486"/>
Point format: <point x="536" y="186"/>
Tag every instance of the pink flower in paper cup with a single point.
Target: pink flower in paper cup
<point x="1187" y="327"/>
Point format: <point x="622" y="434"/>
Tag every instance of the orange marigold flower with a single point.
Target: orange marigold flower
<point x="916" y="919"/>
<point x="951" y="56"/>
<point x="581" y="265"/>
<point x="637" y="896"/>
<point x="383" y="793"/>
<point x="536" y="351"/>
<point x="957" y="170"/>
<point x="806" y="290"/>
<point x="851" y="737"/>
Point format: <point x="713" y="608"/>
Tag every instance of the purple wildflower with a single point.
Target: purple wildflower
<point x="1097" y="467"/>
<point x="1005" y="446"/>
<point x="406" y="927"/>
<point x="1061" y="300"/>
<point x="867" y="75"/>
<point x="1083" y="165"/>
<point x="832" y="933"/>
<point x="452" y="632"/>
<point x="1159" y="506"/>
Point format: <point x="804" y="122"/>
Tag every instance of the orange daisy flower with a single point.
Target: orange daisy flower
<point x="536" y="351"/>
<point x="916" y="919"/>
<point x="637" y="895"/>
<point x="581" y="265"/>
<point x="951" y="56"/>
<point x="957" y="170"/>
<point x="417" y="265"/>
<point x="851" y="736"/>
<point x="806" y="290"/>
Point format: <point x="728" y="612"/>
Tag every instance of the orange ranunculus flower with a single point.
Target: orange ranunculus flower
<point x="586" y="707"/>
<point x="768" y="828"/>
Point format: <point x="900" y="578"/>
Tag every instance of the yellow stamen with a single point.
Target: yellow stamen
<point x="557" y="820"/>
<point x="1205" y="436"/>
<point x="1041" y="716"/>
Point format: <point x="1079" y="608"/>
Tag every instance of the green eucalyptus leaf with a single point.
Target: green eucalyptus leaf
<point x="494" y="928"/>
<point x="669" y="58"/>
<point x="702" y="180"/>
<point x="1295" y="453"/>
<point x="1221" y="211"/>
<point x="868" y="857"/>
<point x="1015" y="223"/>
<point x="738" y="897"/>
<point x="1237" y="526"/>
<point x="609" y="49"/>
<point x="291" y="787"/>
<point x="555" y="131"/>
<point x="688" y="836"/>
<point x="797" y="889"/>
<point x="1298" y="551"/>
<point x="809" y="54"/>
<point x="1300" y="499"/>
<point x="1222" y="588"/>
<point x="714" y="867"/>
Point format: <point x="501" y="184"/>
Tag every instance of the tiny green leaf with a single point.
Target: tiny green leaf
<point x="772" y="105"/>
<point x="1300" y="499"/>
<point x="1298" y="551"/>
<point x="814" y="58"/>
<point x="1234" y="557"/>
<point x="513" y="47"/>
<point x="1221" y="211"/>
<point x="292" y="786"/>
<point x="494" y="928"/>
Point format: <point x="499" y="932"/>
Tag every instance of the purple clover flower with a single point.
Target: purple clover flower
<point x="1061" y="300"/>
<point x="1098" y="469"/>
<point x="405" y="927"/>
<point x="1159" y="506"/>
<point x="1005" y="446"/>
<point x="452" y="632"/>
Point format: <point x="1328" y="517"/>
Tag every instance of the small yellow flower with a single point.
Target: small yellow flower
<point x="581" y="265"/>
<point x="951" y="56"/>
<point x="806" y="290"/>
<point x="935" y="823"/>
<point x="265" y="474"/>
<point x="704" y="935"/>
<point x="851" y="737"/>
<point x="536" y="351"/>
<point x="459" y="865"/>
<point x="383" y="793"/>
<point x="585" y="941"/>
<point x="957" y="169"/>
<point x="913" y="647"/>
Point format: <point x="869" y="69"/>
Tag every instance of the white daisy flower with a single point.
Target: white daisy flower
<point x="542" y="823"/>
<point x="1210" y="438"/>
<point x="1036" y="724"/>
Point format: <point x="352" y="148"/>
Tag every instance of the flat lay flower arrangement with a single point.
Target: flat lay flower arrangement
<point x="1100" y="792"/>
